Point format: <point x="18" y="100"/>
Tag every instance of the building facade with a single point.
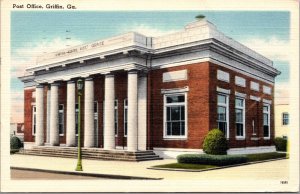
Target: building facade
<point x="152" y="93"/>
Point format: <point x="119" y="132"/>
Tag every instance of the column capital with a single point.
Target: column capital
<point x="55" y="84"/>
<point x="133" y="71"/>
<point x="39" y="86"/>
<point x="88" y="79"/>
<point x="109" y="74"/>
<point x="71" y="81"/>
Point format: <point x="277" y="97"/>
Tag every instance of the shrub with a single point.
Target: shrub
<point x="217" y="160"/>
<point x="15" y="144"/>
<point x="215" y="143"/>
<point x="280" y="144"/>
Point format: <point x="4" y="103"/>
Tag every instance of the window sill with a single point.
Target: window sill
<point x="175" y="138"/>
<point x="267" y="138"/>
<point x="61" y="135"/>
<point x="240" y="138"/>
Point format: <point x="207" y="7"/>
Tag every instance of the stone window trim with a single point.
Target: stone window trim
<point x="243" y="108"/>
<point x="116" y="118"/>
<point x="268" y="121"/>
<point x="61" y="111"/>
<point x="226" y="105"/>
<point x="33" y="120"/>
<point x="185" y="104"/>
<point x="125" y="117"/>
<point x="285" y="119"/>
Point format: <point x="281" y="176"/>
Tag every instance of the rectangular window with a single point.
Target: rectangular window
<point x="96" y="122"/>
<point x="33" y="120"/>
<point x="76" y="118"/>
<point x="223" y="115"/>
<point x="266" y="120"/>
<point x="175" y="116"/>
<point x="285" y="118"/>
<point x="240" y="117"/>
<point x="61" y="126"/>
<point x="116" y="117"/>
<point x="125" y="116"/>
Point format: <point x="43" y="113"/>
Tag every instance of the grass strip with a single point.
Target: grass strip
<point x="250" y="158"/>
<point x="264" y="156"/>
<point x="185" y="166"/>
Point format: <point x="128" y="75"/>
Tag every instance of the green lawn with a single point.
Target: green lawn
<point x="251" y="158"/>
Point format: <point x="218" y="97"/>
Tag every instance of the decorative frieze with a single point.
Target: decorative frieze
<point x="240" y="81"/>
<point x="254" y="86"/>
<point x="175" y="76"/>
<point x="267" y="90"/>
<point x="223" y="76"/>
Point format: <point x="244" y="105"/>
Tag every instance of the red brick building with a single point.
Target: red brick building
<point x="153" y="93"/>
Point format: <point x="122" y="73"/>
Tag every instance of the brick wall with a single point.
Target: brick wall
<point x="198" y="105"/>
<point x="254" y="109"/>
<point x="28" y="137"/>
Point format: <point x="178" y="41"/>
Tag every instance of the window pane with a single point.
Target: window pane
<point x="182" y="113"/>
<point x="221" y="113"/>
<point x="125" y="127"/>
<point x="266" y="119"/>
<point x="60" y="107"/>
<point x="175" y="113"/>
<point x="168" y="113"/>
<point x="182" y="128"/>
<point x="125" y="115"/>
<point x="266" y="108"/>
<point x="239" y="115"/>
<point x="222" y="127"/>
<point x="239" y="102"/>
<point x="266" y="131"/>
<point x="239" y="129"/>
<point x="175" y="99"/>
<point x="175" y="128"/>
<point x="169" y="128"/>
<point x="76" y="106"/>
<point x="221" y="99"/>
<point x="95" y="107"/>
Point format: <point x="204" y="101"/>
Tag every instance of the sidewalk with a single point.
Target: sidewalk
<point x="269" y="170"/>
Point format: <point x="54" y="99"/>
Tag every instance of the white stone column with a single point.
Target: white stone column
<point x="109" y="115"/>
<point x="54" y="132"/>
<point x="132" y="111"/>
<point x="48" y="114"/>
<point x="71" y="136"/>
<point x="142" y="112"/>
<point x="89" y="113"/>
<point x="39" y="134"/>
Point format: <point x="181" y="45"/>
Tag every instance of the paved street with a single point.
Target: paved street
<point x="33" y="175"/>
<point x="256" y="177"/>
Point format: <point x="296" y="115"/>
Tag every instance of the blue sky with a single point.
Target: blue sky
<point x="33" y="33"/>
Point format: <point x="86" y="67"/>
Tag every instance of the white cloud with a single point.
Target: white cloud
<point x="150" y="31"/>
<point x="272" y="47"/>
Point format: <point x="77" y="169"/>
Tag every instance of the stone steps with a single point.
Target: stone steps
<point x="92" y="153"/>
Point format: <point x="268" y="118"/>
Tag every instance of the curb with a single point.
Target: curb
<point x="215" y="168"/>
<point x="109" y="176"/>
